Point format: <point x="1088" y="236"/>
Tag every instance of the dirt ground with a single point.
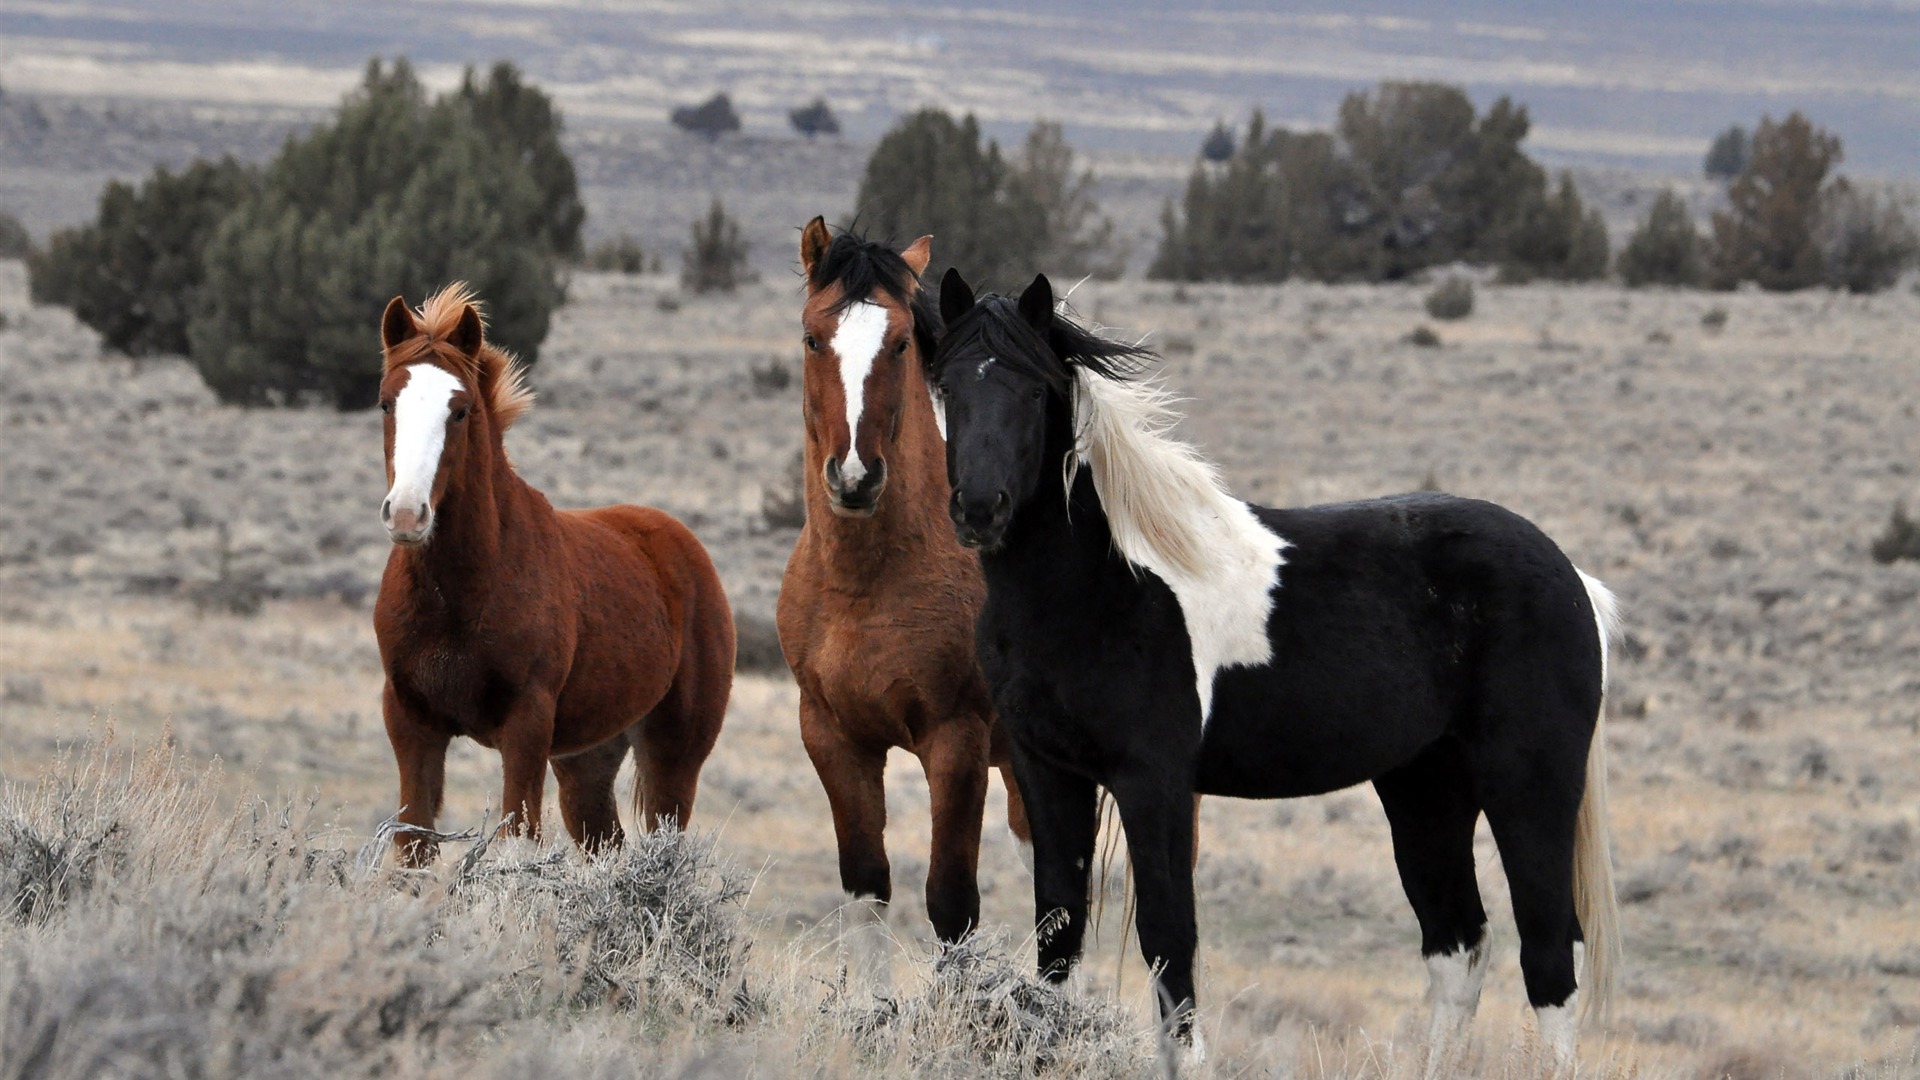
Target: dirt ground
<point x="1722" y="461"/>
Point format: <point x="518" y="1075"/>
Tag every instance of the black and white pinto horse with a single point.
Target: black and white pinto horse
<point x="1147" y="632"/>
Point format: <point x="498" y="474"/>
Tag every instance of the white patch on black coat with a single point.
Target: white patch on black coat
<point x="857" y="341"/>
<point x="1170" y="513"/>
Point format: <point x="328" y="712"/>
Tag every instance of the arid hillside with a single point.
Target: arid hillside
<point x="1723" y="461"/>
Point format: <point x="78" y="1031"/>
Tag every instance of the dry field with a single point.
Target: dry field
<point x="167" y="564"/>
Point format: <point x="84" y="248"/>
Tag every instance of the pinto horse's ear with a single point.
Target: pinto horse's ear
<point x="397" y="324"/>
<point x="813" y="244"/>
<point x="468" y="334"/>
<point x="956" y="299"/>
<point x="917" y="255"/>
<point x="1036" y="304"/>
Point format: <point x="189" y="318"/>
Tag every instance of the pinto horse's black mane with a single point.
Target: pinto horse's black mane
<point x="861" y="266"/>
<point x="995" y="326"/>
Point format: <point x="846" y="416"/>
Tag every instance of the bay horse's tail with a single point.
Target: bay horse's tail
<point x="1594" y="900"/>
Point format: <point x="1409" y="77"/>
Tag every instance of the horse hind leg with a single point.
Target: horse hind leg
<point x="671" y="744"/>
<point x="587" y="805"/>
<point x="1432" y="812"/>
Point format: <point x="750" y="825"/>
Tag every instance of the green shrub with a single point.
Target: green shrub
<point x="1665" y="248"/>
<point x="397" y="196"/>
<point x="133" y="272"/>
<point x="716" y="260"/>
<point x="1727" y="157"/>
<point x="713" y="117"/>
<point x="1556" y="237"/>
<point x="622" y="254"/>
<point x="15" y="241"/>
<point x="814" y="119"/>
<point x="1901" y="540"/>
<point x="1865" y="240"/>
<point x="1767" y="232"/>
<point x="996" y="220"/>
<point x="521" y="121"/>
<point x="1451" y="299"/>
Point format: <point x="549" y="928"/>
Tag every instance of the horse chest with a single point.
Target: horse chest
<point x="461" y="691"/>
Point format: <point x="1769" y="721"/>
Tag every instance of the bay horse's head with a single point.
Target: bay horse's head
<point x="866" y="329"/>
<point x="447" y="397"/>
<point x="1006" y="374"/>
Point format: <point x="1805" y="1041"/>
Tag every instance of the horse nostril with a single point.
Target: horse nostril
<point x="1000" y="500"/>
<point x="386" y="510"/>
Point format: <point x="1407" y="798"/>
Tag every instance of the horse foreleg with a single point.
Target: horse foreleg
<point x="1158" y="817"/>
<point x="587" y="805"/>
<point x="854" y="778"/>
<point x="955" y="758"/>
<point x="420" y="751"/>
<point x="1063" y="817"/>
<point x="525" y="741"/>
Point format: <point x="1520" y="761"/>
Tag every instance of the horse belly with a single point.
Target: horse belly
<point x="1278" y="737"/>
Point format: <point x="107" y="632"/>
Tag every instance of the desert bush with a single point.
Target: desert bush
<point x="713" y="117"/>
<point x="716" y="260"/>
<point x="1900" y="539"/>
<point x="621" y="254"/>
<point x="994" y="219"/>
<point x="814" y="119"/>
<point x="1218" y="146"/>
<point x="1451" y="299"/>
<point x="1727" y="156"/>
<point x="520" y="119"/>
<point x="1424" y="337"/>
<point x="1555" y="237"/>
<point x="1865" y="240"/>
<point x="1411" y="177"/>
<point x="397" y="196"/>
<point x="1767" y="232"/>
<point x="1665" y="248"/>
<point x="15" y="241"/>
<point x="134" y="271"/>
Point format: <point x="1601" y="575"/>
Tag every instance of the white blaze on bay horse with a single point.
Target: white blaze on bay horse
<point x="564" y="638"/>
<point x="1146" y="632"/>
<point x="878" y="605"/>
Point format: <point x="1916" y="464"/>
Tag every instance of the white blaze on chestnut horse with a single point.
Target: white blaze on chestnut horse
<point x="555" y="637"/>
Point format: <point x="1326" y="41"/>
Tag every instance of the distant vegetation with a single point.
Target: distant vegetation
<point x="994" y="219"/>
<point x="271" y="280"/>
<point x="1410" y="177"/>
<point x="622" y="254"/>
<point x="15" y="241"/>
<point x="814" y="119"/>
<point x="716" y="260"/>
<point x="713" y="117"/>
<point x="1665" y="249"/>
<point x="1727" y="157"/>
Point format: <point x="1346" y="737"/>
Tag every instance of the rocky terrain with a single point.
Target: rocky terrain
<point x="1723" y="461"/>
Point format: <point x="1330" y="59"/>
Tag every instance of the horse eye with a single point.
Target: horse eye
<point x="810" y="342"/>
<point x="386" y="407"/>
<point x="900" y="347"/>
<point x="1037" y="393"/>
<point x="460" y="414"/>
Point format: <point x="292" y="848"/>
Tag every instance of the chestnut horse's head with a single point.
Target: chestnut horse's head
<point x="447" y="396"/>
<point x="865" y="328"/>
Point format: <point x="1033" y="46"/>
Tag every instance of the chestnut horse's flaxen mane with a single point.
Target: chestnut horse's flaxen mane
<point x="501" y="378"/>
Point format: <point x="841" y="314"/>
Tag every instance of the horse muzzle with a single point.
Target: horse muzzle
<point x="407" y="526"/>
<point x="855" y="496"/>
<point x="980" y="521"/>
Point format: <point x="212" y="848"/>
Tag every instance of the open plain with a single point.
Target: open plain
<point x="1723" y="461"/>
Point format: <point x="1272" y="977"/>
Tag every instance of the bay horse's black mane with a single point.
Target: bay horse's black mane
<point x="860" y="266"/>
<point x="996" y="327"/>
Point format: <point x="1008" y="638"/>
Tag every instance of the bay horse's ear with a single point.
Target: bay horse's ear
<point x="468" y="334"/>
<point x="917" y="255"/>
<point x="397" y="324"/>
<point x="956" y="299"/>
<point x="1036" y="304"/>
<point x="813" y="244"/>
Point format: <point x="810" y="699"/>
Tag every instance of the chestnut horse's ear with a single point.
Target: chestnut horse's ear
<point x="397" y="324"/>
<point x="917" y="254"/>
<point x="956" y="299"/>
<point x="468" y="335"/>
<point x="813" y="244"/>
<point x="1036" y="304"/>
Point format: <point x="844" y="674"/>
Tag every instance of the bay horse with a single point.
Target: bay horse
<point x="563" y="637"/>
<point x="1147" y="632"/>
<point x="877" y="608"/>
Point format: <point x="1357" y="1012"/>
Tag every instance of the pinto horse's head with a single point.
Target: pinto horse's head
<point x="447" y="396"/>
<point x="1005" y="374"/>
<point x="865" y="329"/>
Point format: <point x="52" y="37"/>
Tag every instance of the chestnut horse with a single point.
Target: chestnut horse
<point x="567" y="637"/>
<point x="878" y="606"/>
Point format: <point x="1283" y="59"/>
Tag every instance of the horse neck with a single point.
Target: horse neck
<point x="912" y="513"/>
<point x="479" y="526"/>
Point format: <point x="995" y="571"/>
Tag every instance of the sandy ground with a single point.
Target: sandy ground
<point x="1725" y="480"/>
